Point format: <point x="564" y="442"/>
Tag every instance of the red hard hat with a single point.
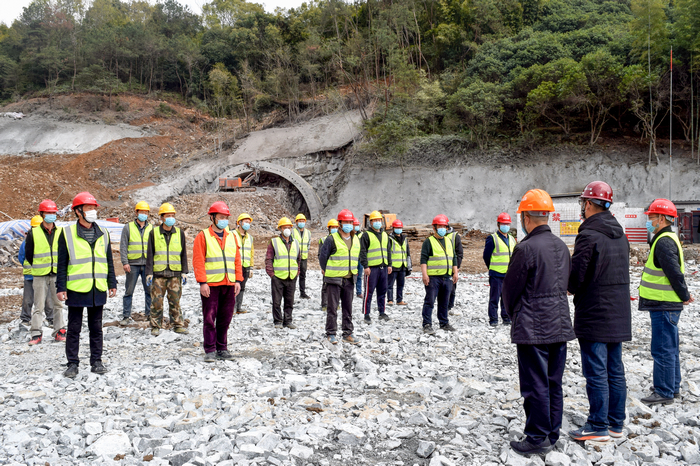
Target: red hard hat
<point x="441" y="220"/>
<point x="599" y="190"/>
<point x="503" y="217"/>
<point x="345" y="216"/>
<point x="355" y="222"/>
<point x="48" y="206"/>
<point x="662" y="207"/>
<point x="84" y="198"/>
<point x="397" y="224"/>
<point x="219" y="207"/>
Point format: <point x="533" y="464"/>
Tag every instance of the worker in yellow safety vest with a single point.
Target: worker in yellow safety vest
<point x="28" y="289"/>
<point x="375" y="257"/>
<point x="400" y="263"/>
<point x="132" y="250"/>
<point x="245" y="240"/>
<point x="333" y="226"/>
<point x="497" y="253"/>
<point x="303" y="236"/>
<point x="85" y="275"/>
<point x="282" y="266"/>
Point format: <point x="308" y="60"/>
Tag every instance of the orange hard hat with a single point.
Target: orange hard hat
<point x="503" y="217"/>
<point x="662" y="207"/>
<point x="441" y="220"/>
<point x="536" y="200"/>
<point x="345" y="216"/>
<point x="84" y="198"/>
<point x="48" y="206"/>
<point x="219" y="207"/>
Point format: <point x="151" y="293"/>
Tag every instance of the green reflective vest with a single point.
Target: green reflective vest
<point x="378" y="254"/>
<point x="219" y="262"/>
<point x="45" y="255"/>
<point x="440" y="261"/>
<point x="246" y="245"/>
<point x="304" y="241"/>
<point x="167" y="254"/>
<point x="26" y="268"/>
<point x="398" y="254"/>
<point x="137" y="243"/>
<point x="87" y="266"/>
<point x="500" y="259"/>
<point x="654" y="284"/>
<point x="285" y="263"/>
<point x="343" y="261"/>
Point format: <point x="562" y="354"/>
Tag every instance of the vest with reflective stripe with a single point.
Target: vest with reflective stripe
<point x="167" y="254"/>
<point x="220" y="263"/>
<point x="246" y="247"/>
<point x="87" y="266"/>
<point x="285" y="262"/>
<point x="655" y="285"/>
<point x="45" y="255"/>
<point x="138" y="243"/>
<point x="26" y="268"/>
<point x="440" y="261"/>
<point x="304" y="241"/>
<point x="398" y="254"/>
<point x="378" y="254"/>
<point x="343" y="261"/>
<point x="500" y="259"/>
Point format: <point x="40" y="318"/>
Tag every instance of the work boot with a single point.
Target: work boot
<point x="350" y="339"/>
<point x="210" y="357"/>
<point x="332" y="339"/>
<point x="124" y="322"/>
<point x="526" y="448"/>
<point x="291" y="326"/>
<point x="98" y="368"/>
<point x="278" y="325"/>
<point x="305" y="296"/>
<point x="656" y="399"/>
<point x="181" y="330"/>
<point x="428" y="329"/>
<point x="493" y="324"/>
<point x="507" y="322"/>
<point x="72" y="371"/>
<point x="447" y="328"/>
<point x="61" y="335"/>
<point x="35" y="340"/>
<point x="368" y="319"/>
<point x="402" y="303"/>
<point x="225" y="355"/>
<point x="383" y="317"/>
<point x="390" y="303"/>
<point x="155" y="332"/>
<point x="241" y="311"/>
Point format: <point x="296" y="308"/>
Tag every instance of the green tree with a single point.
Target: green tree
<point x="603" y="75"/>
<point x="479" y="107"/>
<point x="650" y="31"/>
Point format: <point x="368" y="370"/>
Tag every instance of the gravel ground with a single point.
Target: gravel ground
<point x="399" y="398"/>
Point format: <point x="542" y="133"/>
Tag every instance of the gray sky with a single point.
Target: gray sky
<point x="11" y="9"/>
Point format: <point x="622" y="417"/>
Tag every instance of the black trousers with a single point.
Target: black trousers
<point x="75" y="324"/>
<point x="541" y="368"/>
<point x="343" y="293"/>
<point x="282" y="289"/>
<point x="302" y="276"/>
<point x="239" y="298"/>
<point x="324" y="295"/>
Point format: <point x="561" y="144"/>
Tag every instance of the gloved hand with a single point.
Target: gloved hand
<point x="184" y="280"/>
<point x="149" y="280"/>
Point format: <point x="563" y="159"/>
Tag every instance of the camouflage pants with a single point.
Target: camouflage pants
<point x="173" y="287"/>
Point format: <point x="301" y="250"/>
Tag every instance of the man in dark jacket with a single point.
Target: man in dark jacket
<point x="498" y="249"/>
<point x="534" y="295"/>
<point x="456" y="239"/>
<point x="663" y="292"/>
<point x="600" y="283"/>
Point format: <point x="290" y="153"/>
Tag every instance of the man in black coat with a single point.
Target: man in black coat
<point x="600" y="283"/>
<point x="534" y="295"/>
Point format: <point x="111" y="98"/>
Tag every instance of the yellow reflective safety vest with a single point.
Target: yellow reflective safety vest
<point x="440" y="261"/>
<point x="220" y="262"/>
<point x="304" y="240"/>
<point x="285" y="263"/>
<point x="137" y="243"/>
<point x="378" y="253"/>
<point x="500" y="259"/>
<point x="26" y="268"/>
<point x="246" y="245"/>
<point x="87" y="266"/>
<point x="655" y="285"/>
<point x="343" y="261"/>
<point x="45" y="255"/>
<point x="167" y="254"/>
<point x="398" y="254"/>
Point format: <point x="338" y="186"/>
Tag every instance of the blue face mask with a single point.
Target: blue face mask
<point x="357" y="227"/>
<point x="377" y="225"/>
<point x="441" y="231"/>
<point x="398" y="231"/>
<point x="504" y="229"/>
<point x="170" y="221"/>
<point x="334" y="230"/>
<point x="142" y="217"/>
<point x="245" y="226"/>
<point x="50" y="218"/>
<point x="650" y="227"/>
<point x="301" y="224"/>
<point x="347" y="228"/>
<point x="222" y="224"/>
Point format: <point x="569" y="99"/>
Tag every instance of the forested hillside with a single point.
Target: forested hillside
<point x="489" y="71"/>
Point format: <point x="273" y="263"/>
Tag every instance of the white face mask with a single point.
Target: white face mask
<point x="91" y="216"/>
<point x="286" y="232"/>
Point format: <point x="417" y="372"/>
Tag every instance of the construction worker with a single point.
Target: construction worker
<point x="282" y="265"/>
<point x="337" y="258"/>
<point x="600" y="283"/>
<point x="456" y="240"/>
<point x="375" y="258"/>
<point x="497" y="253"/>
<point x="166" y="267"/>
<point x="360" y="271"/>
<point x="132" y="250"/>
<point x="217" y="269"/>
<point x="534" y="295"/>
<point x="332" y="228"/>
<point x="439" y="270"/>
<point x="25" y="315"/>
<point x="41" y="253"/>
<point x="245" y="240"/>
<point x="303" y="237"/>
<point x="400" y="263"/>
<point x="85" y="274"/>
<point x="663" y="292"/>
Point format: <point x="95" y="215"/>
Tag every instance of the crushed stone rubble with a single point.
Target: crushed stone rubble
<point x="291" y="398"/>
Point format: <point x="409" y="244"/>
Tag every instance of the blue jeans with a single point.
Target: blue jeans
<point x="360" y="278"/>
<point x="605" y="383"/>
<point x="664" y="350"/>
<point x="131" y="279"/>
<point x="439" y="287"/>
